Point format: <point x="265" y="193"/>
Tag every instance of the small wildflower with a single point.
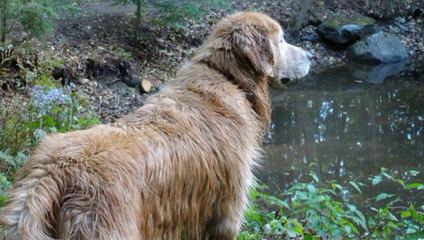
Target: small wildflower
<point x="45" y="98"/>
<point x="39" y="134"/>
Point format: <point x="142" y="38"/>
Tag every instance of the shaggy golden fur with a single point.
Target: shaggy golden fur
<point x="179" y="167"/>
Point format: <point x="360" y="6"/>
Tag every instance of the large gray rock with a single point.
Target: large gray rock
<point x="343" y="32"/>
<point x="378" y="48"/>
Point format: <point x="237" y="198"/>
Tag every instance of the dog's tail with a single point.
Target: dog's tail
<point x="50" y="202"/>
<point x="29" y="213"/>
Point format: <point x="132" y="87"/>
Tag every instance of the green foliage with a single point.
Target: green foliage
<point x="24" y="122"/>
<point x="11" y="163"/>
<point x="169" y="12"/>
<point x="315" y="210"/>
<point x="33" y="16"/>
<point x="49" y="110"/>
<point x="121" y="53"/>
<point x="4" y="185"/>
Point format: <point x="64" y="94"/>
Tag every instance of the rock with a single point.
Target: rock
<point x="417" y="13"/>
<point x="110" y="71"/>
<point x="402" y="26"/>
<point x="378" y="48"/>
<point x="65" y="74"/>
<point x="343" y="31"/>
<point x="131" y="81"/>
<point x="84" y="81"/>
<point x="146" y="86"/>
<point x="310" y="35"/>
<point x="375" y="73"/>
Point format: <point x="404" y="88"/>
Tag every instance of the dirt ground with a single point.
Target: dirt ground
<point x="102" y="63"/>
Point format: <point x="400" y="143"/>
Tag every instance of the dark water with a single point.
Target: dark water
<point x="346" y="124"/>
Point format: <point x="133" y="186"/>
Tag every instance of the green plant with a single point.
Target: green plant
<point x="4" y="185"/>
<point x="121" y="53"/>
<point x="49" y="108"/>
<point x="33" y="16"/>
<point x="11" y="163"/>
<point x="315" y="210"/>
<point x="169" y="12"/>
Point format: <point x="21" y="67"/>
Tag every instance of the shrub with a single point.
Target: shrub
<point x="311" y="211"/>
<point x="34" y="16"/>
<point x="48" y="108"/>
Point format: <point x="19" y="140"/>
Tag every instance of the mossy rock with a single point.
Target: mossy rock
<point x="344" y="31"/>
<point x="338" y="22"/>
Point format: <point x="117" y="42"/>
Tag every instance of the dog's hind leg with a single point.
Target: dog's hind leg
<point x="101" y="213"/>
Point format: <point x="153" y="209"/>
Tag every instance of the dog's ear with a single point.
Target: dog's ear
<point x="254" y="48"/>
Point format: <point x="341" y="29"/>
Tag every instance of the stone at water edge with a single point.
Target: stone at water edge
<point x="311" y="37"/>
<point x="374" y="73"/>
<point x="84" y="81"/>
<point x="343" y="32"/>
<point x="378" y="48"/>
<point x="146" y="86"/>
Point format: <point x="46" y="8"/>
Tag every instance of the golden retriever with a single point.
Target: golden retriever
<point x="180" y="167"/>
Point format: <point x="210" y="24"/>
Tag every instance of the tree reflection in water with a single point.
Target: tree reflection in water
<point x="347" y="129"/>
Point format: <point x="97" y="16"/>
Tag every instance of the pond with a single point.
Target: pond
<point x="346" y="124"/>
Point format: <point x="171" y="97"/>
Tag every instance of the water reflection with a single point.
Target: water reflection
<point x="349" y="128"/>
<point x="374" y="74"/>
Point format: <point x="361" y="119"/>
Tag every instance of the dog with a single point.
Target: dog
<point x="180" y="167"/>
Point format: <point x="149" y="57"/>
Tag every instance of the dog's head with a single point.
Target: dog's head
<point x="253" y="45"/>
<point x="249" y="49"/>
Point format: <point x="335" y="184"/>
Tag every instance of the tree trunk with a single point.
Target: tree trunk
<point x="137" y="22"/>
<point x="3" y="11"/>
<point x="304" y="7"/>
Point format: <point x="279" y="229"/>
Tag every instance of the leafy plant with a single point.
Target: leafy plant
<point x="4" y="185"/>
<point x="49" y="108"/>
<point x="121" y="53"/>
<point x="314" y="210"/>
<point x="11" y="163"/>
<point x="33" y="16"/>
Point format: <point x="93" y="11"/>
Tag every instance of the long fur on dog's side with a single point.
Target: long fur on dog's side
<point x="180" y="167"/>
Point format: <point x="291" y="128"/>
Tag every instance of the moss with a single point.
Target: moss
<point x="340" y="21"/>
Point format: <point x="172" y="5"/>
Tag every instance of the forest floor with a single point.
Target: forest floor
<point x="101" y="62"/>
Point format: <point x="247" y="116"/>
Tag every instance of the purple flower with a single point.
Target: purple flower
<point x="44" y="98"/>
